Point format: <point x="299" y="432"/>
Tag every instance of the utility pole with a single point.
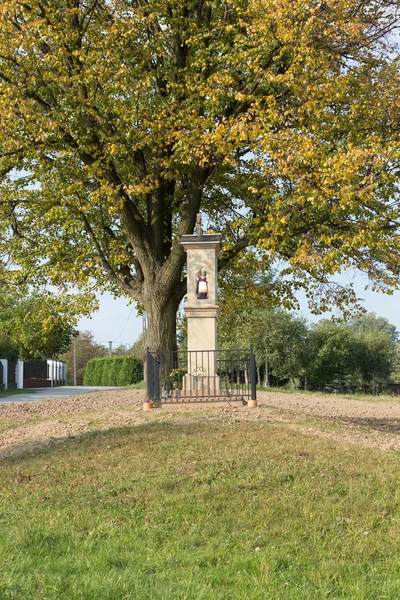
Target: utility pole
<point x="74" y="360"/>
<point x="110" y="348"/>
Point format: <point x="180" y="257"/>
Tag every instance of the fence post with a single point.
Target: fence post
<point x="20" y="374"/>
<point x="50" y="371"/>
<point x="148" y="403"/>
<point x="253" y="375"/>
<point x="148" y="376"/>
<point x="157" y="382"/>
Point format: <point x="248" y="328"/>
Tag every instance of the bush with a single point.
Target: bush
<point x="131" y="371"/>
<point x="115" y="370"/>
<point x="106" y="371"/>
<point x="88" y="378"/>
<point x="93" y="372"/>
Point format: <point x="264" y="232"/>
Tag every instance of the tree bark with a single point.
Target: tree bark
<point x="266" y="382"/>
<point x="161" y="321"/>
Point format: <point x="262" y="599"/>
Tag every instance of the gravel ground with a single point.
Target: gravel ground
<point x="29" y="426"/>
<point x="331" y="406"/>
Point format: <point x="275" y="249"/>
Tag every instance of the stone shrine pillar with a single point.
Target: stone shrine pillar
<point x="202" y="309"/>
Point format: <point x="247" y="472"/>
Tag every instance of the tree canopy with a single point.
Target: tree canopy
<point x="121" y="120"/>
<point x="35" y="325"/>
<point x="356" y="356"/>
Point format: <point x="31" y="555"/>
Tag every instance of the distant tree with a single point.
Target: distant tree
<point x="356" y="356"/>
<point x="86" y="349"/>
<point x="8" y="349"/>
<point x="40" y="324"/>
<point x="333" y="360"/>
<point x="375" y="358"/>
<point x="121" y="350"/>
<point x="137" y="349"/>
<point x="371" y="322"/>
<point x="279" y="340"/>
<point x="280" y="344"/>
<point x="395" y="374"/>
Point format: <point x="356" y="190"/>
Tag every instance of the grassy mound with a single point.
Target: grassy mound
<point x="200" y="510"/>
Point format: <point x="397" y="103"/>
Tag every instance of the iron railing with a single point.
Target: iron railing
<point x="201" y="375"/>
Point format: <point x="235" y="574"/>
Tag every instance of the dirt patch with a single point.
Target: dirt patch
<point x="372" y="424"/>
<point x="72" y="404"/>
<point x="29" y="426"/>
<point x="332" y="406"/>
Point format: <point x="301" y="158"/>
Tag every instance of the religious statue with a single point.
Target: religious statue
<point x="202" y="285"/>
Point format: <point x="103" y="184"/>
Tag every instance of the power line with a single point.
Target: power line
<point x="127" y="321"/>
<point x="111" y="342"/>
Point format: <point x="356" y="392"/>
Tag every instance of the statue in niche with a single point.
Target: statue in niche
<point x="202" y="285"/>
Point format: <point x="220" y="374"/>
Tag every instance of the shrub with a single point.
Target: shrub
<point x="131" y="371"/>
<point x="98" y="369"/>
<point x="89" y="372"/>
<point x="106" y="371"/>
<point x="114" y="370"/>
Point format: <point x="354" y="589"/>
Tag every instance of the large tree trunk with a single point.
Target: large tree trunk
<point x="161" y="313"/>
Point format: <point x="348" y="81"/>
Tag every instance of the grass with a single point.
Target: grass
<point x="15" y="392"/>
<point x="200" y="510"/>
<point x="141" y="385"/>
<point x="361" y="397"/>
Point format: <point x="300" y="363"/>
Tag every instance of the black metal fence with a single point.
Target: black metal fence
<point x="200" y="375"/>
<point x="11" y="374"/>
<point x="1" y="376"/>
<point x="36" y="369"/>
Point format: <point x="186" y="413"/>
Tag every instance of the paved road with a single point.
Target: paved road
<point x="56" y="392"/>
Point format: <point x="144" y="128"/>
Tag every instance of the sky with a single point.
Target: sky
<point x="118" y="322"/>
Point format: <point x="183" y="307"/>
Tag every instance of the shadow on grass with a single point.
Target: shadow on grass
<point x="384" y="425"/>
<point x="48" y="445"/>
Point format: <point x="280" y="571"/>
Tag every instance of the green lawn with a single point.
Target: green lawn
<point x="141" y="385"/>
<point x="15" y="392"/>
<point x="200" y="510"/>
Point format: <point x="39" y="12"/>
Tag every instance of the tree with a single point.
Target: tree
<point x="395" y="375"/>
<point x="279" y="339"/>
<point x="8" y="349"/>
<point x="86" y="349"/>
<point x="333" y="356"/>
<point x="370" y="322"/>
<point x="39" y="324"/>
<point x="355" y="356"/>
<point x="137" y="349"/>
<point x="122" y="120"/>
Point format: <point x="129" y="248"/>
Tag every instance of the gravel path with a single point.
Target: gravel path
<point x="29" y="426"/>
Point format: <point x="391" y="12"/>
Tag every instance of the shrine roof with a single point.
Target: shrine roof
<point x="205" y="237"/>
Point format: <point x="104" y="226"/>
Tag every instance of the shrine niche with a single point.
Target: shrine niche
<point x="202" y="285"/>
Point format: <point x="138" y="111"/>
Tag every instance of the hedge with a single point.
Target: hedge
<point x="114" y="370"/>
